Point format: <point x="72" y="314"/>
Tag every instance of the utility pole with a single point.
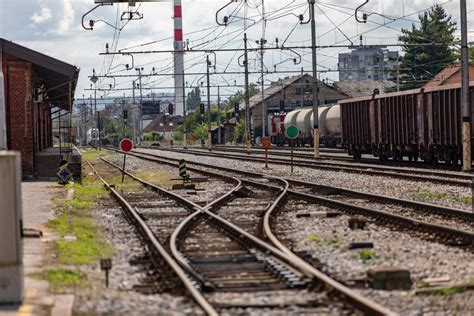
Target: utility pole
<point x="185" y="129"/>
<point x="247" y="96"/>
<point x="219" y="140"/>
<point x="141" y="100"/>
<point x="262" y="45"/>
<point x="209" y="133"/>
<point x="134" y="123"/>
<point x="465" y="99"/>
<point x="315" y="80"/>
<point x="398" y="73"/>
<point x="302" y="88"/>
<point x="264" y="108"/>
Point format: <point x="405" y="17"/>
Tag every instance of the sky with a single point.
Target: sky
<point x="53" y="27"/>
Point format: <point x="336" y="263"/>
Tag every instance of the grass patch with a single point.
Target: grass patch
<point x="335" y="241"/>
<point x="74" y="218"/>
<point x="314" y="238"/>
<point x="444" y="196"/>
<point x="448" y="291"/>
<point x="63" y="277"/>
<point x="366" y="255"/>
<point x="159" y="178"/>
<point x="94" y="155"/>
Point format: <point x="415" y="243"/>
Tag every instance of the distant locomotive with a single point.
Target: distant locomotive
<point x="93" y="137"/>
<point x="418" y="124"/>
<point x="329" y="124"/>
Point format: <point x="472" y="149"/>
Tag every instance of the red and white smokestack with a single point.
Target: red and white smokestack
<point x="178" y="58"/>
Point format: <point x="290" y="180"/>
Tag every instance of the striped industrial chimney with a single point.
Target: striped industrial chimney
<point x="178" y="58"/>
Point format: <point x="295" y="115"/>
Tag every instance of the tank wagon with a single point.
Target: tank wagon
<point x="418" y="124"/>
<point x="329" y="123"/>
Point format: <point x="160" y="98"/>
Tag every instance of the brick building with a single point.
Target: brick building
<point x="36" y="95"/>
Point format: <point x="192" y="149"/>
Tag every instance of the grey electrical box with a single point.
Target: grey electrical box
<point x="11" y="250"/>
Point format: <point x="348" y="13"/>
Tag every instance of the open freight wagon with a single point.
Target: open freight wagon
<point x="419" y="124"/>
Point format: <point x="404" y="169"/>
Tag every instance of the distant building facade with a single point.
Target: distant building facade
<point x="367" y="63"/>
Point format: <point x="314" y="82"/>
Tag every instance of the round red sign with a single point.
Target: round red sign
<point x="126" y="144"/>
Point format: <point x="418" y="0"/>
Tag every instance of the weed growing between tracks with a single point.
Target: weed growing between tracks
<point x="444" y="196"/>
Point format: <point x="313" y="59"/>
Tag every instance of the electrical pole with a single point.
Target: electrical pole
<point x="209" y="133"/>
<point x="398" y="73"/>
<point x="315" y="80"/>
<point x="134" y="123"/>
<point x="95" y="106"/>
<point x="185" y="129"/>
<point x="141" y="100"/>
<point x="262" y="45"/>
<point x="264" y="108"/>
<point x="219" y="136"/>
<point x="465" y="99"/>
<point x="247" y="96"/>
<point x="302" y="88"/>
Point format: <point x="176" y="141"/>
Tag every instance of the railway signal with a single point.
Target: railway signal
<point x="170" y="109"/>
<point x="266" y="144"/>
<point x="125" y="145"/>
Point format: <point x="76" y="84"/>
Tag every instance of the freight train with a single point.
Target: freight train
<point x="418" y="124"/>
<point x="329" y="122"/>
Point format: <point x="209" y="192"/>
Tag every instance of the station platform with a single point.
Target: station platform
<point x="48" y="161"/>
<point x="38" y="208"/>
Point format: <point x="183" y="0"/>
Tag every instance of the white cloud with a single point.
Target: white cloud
<point x="42" y="16"/>
<point x="67" y="18"/>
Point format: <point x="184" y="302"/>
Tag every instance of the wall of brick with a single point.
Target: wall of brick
<point x="20" y="111"/>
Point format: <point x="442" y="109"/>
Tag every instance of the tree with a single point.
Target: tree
<point x="194" y="99"/>
<point x="239" y="96"/>
<point x="422" y="62"/>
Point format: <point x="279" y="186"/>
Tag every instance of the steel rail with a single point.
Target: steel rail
<point x="187" y="203"/>
<point x="329" y="166"/>
<point x="425" y="207"/>
<point x="467" y="237"/>
<point x="356" y="299"/>
<point x="364" y="304"/>
<point x="140" y="223"/>
<point x="439" y="230"/>
<point x="181" y="229"/>
<point x="372" y="163"/>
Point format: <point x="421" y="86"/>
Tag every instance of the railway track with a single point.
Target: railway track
<point x="427" y="220"/>
<point x="457" y="179"/>
<point x="337" y="155"/>
<point x="208" y="253"/>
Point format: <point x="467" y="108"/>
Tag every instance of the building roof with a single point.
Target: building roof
<point x="449" y="75"/>
<point x="164" y="120"/>
<point x="363" y="88"/>
<point x="275" y="88"/>
<point x="54" y="74"/>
